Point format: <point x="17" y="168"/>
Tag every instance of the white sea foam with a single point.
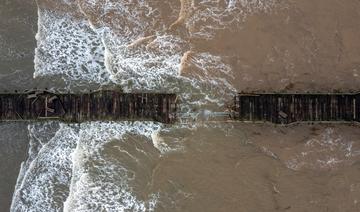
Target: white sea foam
<point x="210" y="75"/>
<point x="150" y="66"/>
<point x="131" y="52"/>
<point x="95" y="50"/>
<point x="69" y="166"/>
<point x="45" y="176"/>
<point x="209" y="16"/>
<point x="65" y="45"/>
<point x="132" y="49"/>
<point x="327" y="151"/>
<point x="99" y="183"/>
<point x="69" y="48"/>
<point x="174" y="143"/>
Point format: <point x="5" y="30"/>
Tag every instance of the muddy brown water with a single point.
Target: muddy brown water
<point x="288" y="46"/>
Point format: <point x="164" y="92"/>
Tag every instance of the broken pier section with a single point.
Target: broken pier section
<point x="289" y="108"/>
<point x="99" y="105"/>
<point x="109" y="105"/>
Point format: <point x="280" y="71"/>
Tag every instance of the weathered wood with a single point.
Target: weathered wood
<point x="99" y="105"/>
<point x="289" y="108"/>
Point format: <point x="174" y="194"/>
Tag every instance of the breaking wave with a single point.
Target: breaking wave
<point x="67" y="47"/>
<point x="135" y="45"/>
<point x="67" y="163"/>
<point x="129" y="44"/>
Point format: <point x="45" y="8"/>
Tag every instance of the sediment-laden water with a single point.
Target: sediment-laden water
<point x="205" y="51"/>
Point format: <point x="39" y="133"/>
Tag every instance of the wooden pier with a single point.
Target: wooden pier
<point x="99" y="105"/>
<point x="290" y="108"/>
<point x="117" y="106"/>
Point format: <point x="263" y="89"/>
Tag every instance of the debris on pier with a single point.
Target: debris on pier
<point x="290" y="108"/>
<point x="99" y="105"/>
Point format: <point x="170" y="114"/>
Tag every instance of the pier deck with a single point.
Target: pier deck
<point x="290" y="108"/>
<point x="99" y="105"/>
<point x="117" y="106"/>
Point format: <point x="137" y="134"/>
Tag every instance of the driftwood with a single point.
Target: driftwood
<point x="100" y="105"/>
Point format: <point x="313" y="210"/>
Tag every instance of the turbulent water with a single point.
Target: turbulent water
<point x="205" y="51"/>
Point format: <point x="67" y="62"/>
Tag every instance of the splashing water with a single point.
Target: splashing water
<point x="131" y="44"/>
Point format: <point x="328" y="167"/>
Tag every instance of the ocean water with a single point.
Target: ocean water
<point x="205" y="51"/>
